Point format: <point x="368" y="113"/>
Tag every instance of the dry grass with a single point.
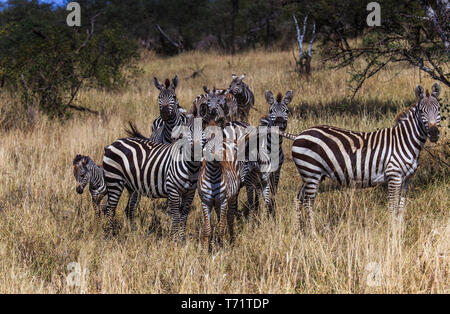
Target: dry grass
<point x="45" y="224"/>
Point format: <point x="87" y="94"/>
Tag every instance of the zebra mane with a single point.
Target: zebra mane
<point x="279" y="97"/>
<point x="404" y="114"/>
<point x="79" y="158"/>
<point x="134" y="132"/>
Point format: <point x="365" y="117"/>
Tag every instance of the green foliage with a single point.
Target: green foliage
<point x="47" y="62"/>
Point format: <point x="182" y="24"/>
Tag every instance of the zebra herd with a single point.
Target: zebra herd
<point x="164" y="164"/>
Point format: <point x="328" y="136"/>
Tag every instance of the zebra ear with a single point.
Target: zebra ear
<point x="175" y="82"/>
<point x="206" y="89"/>
<point x="233" y="76"/>
<point x="420" y="92"/>
<point x="436" y="90"/>
<point x="157" y="83"/>
<point x="269" y="97"/>
<point x="288" y="97"/>
<point x="242" y="77"/>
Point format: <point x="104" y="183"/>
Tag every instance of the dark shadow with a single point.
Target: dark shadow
<point x="374" y="107"/>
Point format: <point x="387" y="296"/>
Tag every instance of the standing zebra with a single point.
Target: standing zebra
<point x="218" y="186"/>
<point x="366" y="159"/>
<point x="86" y="171"/>
<point x="257" y="180"/>
<point x="171" y="114"/>
<point x="244" y="96"/>
<point x="153" y="170"/>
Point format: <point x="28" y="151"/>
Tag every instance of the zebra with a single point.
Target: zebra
<point x="171" y="114"/>
<point x="220" y="100"/>
<point x="218" y="186"/>
<point x="256" y="179"/>
<point x="358" y="159"/>
<point x="154" y="170"/>
<point x="243" y="94"/>
<point x="86" y="171"/>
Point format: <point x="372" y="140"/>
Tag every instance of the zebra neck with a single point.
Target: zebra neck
<point x="172" y="122"/>
<point x="182" y="145"/>
<point x="240" y="98"/>
<point x="410" y="134"/>
<point x="92" y="170"/>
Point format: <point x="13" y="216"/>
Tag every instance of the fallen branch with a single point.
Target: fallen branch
<point x="436" y="157"/>
<point x="83" y="109"/>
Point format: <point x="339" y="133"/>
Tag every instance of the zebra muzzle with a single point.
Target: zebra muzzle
<point x="79" y="189"/>
<point x="433" y="133"/>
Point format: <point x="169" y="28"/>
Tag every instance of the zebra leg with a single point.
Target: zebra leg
<point x="223" y="220"/>
<point x="133" y="201"/>
<point x="305" y="198"/>
<point x="174" y="209"/>
<point x="206" y="211"/>
<point x="185" y="208"/>
<point x="269" y="199"/>
<point x="298" y="209"/>
<point x="401" y="204"/>
<point x="232" y="209"/>
<point x="256" y="203"/>
<point x="96" y="203"/>
<point x="114" y="192"/>
<point x="251" y="205"/>
<point x="394" y="187"/>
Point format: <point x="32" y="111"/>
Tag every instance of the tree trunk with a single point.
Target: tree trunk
<point x="235" y="11"/>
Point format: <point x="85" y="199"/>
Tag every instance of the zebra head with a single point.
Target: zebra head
<point x="216" y="107"/>
<point x="278" y="109"/>
<point x="81" y="172"/>
<point x="429" y="110"/>
<point x="167" y="99"/>
<point x="237" y="86"/>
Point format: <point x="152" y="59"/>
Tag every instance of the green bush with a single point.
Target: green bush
<point x="46" y="62"/>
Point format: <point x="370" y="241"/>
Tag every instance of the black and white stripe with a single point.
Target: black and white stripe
<point x="244" y="96"/>
<point x="171" y="114"/>
<point x="361" y="159"/>
<point x="154" y="170"/>
<point x="218" y="186"/>
<point x="86" y="171"/>
<point x="259" y="180"/>
<point x="218" y="105"/>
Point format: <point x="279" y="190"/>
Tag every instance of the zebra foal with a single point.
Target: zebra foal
<point x="85" y="171"/>
<point x="359" y="159"/>
<point x="218" y="186"/>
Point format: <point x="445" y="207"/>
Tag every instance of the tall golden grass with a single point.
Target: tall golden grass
<point x="45" y="224"/>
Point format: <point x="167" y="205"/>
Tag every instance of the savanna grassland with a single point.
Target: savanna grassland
<point x="45" y="224"/>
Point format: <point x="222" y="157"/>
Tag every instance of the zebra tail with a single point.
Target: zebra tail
<point x="134" y="132"/>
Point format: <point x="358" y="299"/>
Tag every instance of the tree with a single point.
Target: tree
<point x="47" y="62"/>
<point x="415" y="33"/>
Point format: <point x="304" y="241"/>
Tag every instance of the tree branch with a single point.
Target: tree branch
<point x="178" y="45"/>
